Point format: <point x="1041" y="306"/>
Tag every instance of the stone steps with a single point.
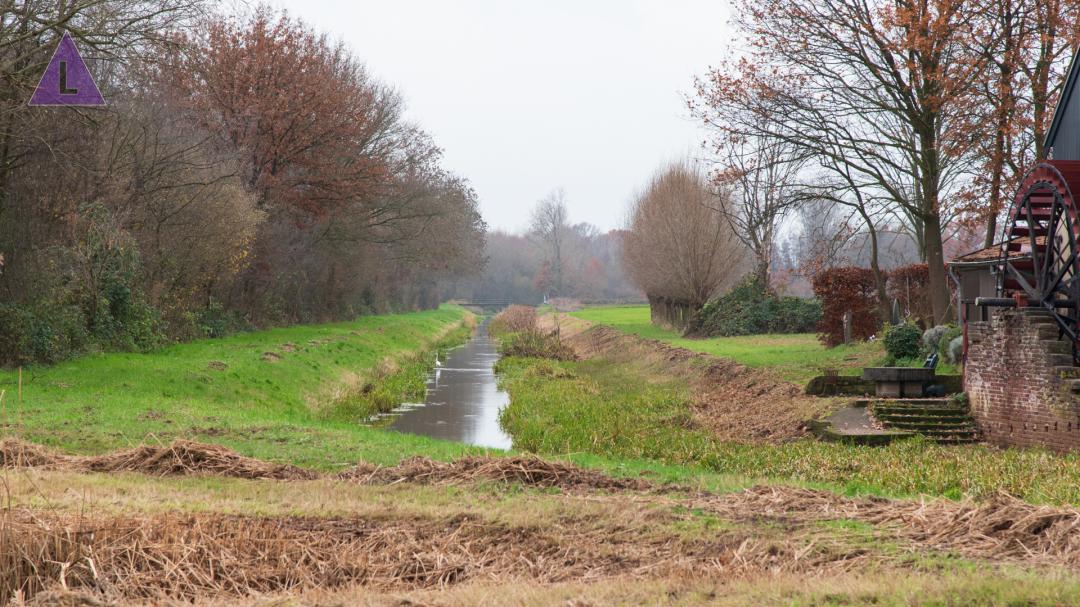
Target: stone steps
<point x="902" y="420"/>
<point x="942" y="420"/>
<point x="920" y="403"/>
<point x="1059" y="348"/>
<point x="917" y="409"/>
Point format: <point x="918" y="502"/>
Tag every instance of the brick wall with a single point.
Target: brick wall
<point x="1015" y="379"/>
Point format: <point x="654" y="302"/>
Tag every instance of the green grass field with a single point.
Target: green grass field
<point x="293" y="394"/>
<point x="797" y="357"/>
<point x="288" y="395"/>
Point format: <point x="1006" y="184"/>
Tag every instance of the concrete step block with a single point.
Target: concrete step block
<point x="1058" y="346"/>
<point x="1060" y="360"/>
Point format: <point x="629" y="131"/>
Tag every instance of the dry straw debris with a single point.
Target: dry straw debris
<point x="1001" y="529"/>
<point x="188" y="457"/>
<point x="183" y="556"/>
<point x="184" y="457"/>
<point x="15" y="453"/>
<point x="179" y="458"/>
<point x="527" y="470"/>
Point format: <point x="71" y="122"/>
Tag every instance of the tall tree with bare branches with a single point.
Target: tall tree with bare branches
<point x="550" y="229"/>
<point x="874" y="86"/>
<point x="760" y="175"/>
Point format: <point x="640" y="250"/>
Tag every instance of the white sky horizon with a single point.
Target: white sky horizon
<point x="526" y="97"/>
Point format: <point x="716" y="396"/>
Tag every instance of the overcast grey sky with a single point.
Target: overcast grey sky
<point x="527" y="96"/>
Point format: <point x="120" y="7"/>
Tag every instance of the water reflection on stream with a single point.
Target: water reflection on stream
<point x="463" y="401"/>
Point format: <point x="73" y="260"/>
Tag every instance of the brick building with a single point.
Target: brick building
<point x="1020" y="381"/>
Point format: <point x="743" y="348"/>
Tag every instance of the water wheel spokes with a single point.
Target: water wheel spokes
<point x="1040" y="262"/>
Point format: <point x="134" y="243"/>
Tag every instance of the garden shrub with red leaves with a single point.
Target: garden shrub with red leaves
<point x="841" y="290"/>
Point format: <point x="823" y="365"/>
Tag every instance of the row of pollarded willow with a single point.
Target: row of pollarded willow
<point x="680" y="247"/>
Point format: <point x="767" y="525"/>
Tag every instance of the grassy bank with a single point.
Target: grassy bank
<point x="293" y="394"/>
<point x="796" y="357"/>
<point x="618" y="410"/>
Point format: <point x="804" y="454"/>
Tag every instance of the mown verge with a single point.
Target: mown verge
<point x="529" y="531"/>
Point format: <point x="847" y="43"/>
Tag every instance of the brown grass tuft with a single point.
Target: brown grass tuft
<point x="529" y="470"/>
<point x="182" y="457"/>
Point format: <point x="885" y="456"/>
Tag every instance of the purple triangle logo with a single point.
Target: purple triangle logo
<point x="66" y="80"/>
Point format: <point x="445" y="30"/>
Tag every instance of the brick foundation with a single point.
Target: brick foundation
<point x="1015" y="379"/>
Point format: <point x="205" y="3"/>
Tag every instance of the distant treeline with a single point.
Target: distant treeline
<point x="247" y="171"/>
<point x="554" y="258"/>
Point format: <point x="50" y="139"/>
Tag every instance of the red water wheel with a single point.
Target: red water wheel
<point x="1039" y="252"/>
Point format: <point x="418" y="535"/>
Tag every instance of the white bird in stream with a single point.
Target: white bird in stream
<point x="437" y="363"/>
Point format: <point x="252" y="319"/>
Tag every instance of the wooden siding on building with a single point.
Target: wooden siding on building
<point x="1064" y="132"/>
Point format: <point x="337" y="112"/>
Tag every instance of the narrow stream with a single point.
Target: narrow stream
<point x="463" y="400"/>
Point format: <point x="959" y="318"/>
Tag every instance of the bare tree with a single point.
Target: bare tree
<point x="880" y="87"/>
<point x="680" y="248"/>
<point x="761" y="175"/>
<point x="550" y="227"/>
